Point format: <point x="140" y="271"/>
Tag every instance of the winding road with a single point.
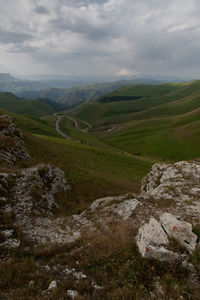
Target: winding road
<point x="73" y="121"/>
<point x="75" y="126"/>
<point x="60" y="131"/>
<point x="89" y="126"/>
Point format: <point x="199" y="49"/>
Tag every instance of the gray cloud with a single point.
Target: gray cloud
<point x="40" y="9"/>
<point x="83" y="27"/>
<point x="9" y="37"/>
<point x="101" y="36"/>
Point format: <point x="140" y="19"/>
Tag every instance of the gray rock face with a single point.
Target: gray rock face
<point x="120" y="205"/>
<point x="152" y="241"/>
<point x="177" y="184"/>
<point x="153" y="238"/>
<point x="172" y="181"/>
<point x="16" y="150"/>
<point x="11" y="243"/>
<point x="35" y="188"/>
<point x="180" y="231"/>
<point x="33" y="202"/>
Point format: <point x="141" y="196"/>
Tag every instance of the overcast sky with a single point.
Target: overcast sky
<point x="100" y="37"/>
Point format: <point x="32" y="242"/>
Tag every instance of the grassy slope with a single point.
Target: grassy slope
<point x="97" y="112"/>
<point x="92" y="168"/>
<point x="33" y="108"/>
<point x="32" y="125"/>
<point x="92" y="172"/>
<point x="164" y="124"/>
<point x="174" y="138"/>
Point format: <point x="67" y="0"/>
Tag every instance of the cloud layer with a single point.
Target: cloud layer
<point x="100" y="37"/>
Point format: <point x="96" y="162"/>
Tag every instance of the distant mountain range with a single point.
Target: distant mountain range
<point x="6" y="76"/>
<point x="72" y="97"/>
<point x="69" y="91"/>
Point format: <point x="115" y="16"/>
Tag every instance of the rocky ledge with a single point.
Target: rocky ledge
<point x="167" y="206"/>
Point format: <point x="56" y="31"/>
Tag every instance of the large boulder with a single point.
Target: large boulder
<point x="153" y="238"/>
<point x="152" y="242"/>
<point x="180" y="231"/>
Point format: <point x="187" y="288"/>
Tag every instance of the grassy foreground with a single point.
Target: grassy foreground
<point x="92" y="172"/>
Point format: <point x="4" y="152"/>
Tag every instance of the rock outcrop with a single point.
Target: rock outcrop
<point x="153" y="238"/>
<point x="12" y="140"/>
<point x="31" y="199"/>
<point x="180" y="181"/>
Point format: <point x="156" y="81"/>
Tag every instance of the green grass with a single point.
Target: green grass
<point x="92" y="168"/>
<point x="145" y="90"/>
<point x="92" y="171"/>
<point x="33" y="125"/>
<point x="163" y="124"/>
<point x="34" y="108"/>
<point x="67" y="126"/>
<point x="171" y="138"/>
<point x="166" y="100"/>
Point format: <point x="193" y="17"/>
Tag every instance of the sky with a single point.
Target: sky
<point x="100" y="37"/>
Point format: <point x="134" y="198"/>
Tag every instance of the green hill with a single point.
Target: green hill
<point x="93" y="168"/>
<point x="35" y="108"/>
<point x="157" y="121"/>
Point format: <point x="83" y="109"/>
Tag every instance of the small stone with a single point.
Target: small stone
<point x="72" y="293"/>
<point x="8" y="210"/>
<point x="159" y="288"/>
<point x="80" y="275"/>
<point x="7" y="233"/>
<point x="187" y="265"/>
<point x="95" y="286"/>
<point x="31" y="283"/>
<point x="53" y="285"/>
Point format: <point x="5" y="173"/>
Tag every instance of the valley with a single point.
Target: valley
<point x="163" y="123"/>
<point x="85" y="193"/>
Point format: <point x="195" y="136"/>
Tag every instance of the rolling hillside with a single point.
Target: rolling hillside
<point x="34" y="108"/>
<point x="157" y="121"/>
<point x="93" y="168"/>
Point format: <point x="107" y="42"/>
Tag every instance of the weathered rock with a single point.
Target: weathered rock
<point x="120" y="205"/>
<point x="16" y="149"/>
<point x="152" y="241"/>
<point x="172" y="181"/>
<point x="152" y="180"/>
<point x="7" y="233"/>
<point x="153" y="238"/>
<point x="35" y="188"/>
<point x="176" y="186"/>
<point x="180" y="231"/>
<point x="11" y="243"/>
